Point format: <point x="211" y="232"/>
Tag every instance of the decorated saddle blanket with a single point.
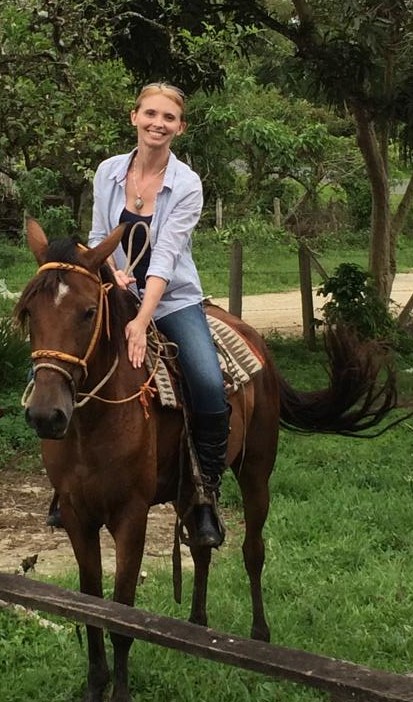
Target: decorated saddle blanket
<point x="238" y="361"/>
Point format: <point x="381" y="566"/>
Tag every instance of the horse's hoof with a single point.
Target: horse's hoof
<point x="207" y="532"/>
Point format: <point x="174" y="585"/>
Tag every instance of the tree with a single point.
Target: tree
<point x="357" y="56"/>
<point x="66" y="93"/>
<point x="185" y="41"/>
<point x="64" y="102"/>
<point x="247" y="140"/>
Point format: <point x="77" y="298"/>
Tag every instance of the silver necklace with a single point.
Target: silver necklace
<point x="139" y="202"/>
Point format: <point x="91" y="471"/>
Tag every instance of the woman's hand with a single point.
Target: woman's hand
<point x="135" y="332"/>
<point x="122" y="279"/>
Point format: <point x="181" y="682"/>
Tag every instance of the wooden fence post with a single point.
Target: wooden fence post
<point x="306" y="296"/>
<point x="277" y="212"/>
<point x="218" y="213"/>
<point x="235" y="279"/>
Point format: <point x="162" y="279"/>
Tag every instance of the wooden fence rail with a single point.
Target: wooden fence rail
<point x="341" y="679"/>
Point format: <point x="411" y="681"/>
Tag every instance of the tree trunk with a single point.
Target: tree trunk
<point x="380" y="236"/>
<point x="398" y="221"/>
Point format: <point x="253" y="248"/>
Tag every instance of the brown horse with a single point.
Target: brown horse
<point x="110" y="460"/>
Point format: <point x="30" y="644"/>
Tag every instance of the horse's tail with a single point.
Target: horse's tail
<point x="356" y="398"/>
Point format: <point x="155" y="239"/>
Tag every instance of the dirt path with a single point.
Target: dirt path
<point x="24" y="501"/>
<point x="282" y="311"/>
<point x="24" y="498"/>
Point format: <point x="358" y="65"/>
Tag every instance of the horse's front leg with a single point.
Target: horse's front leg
<point x="201" y="556"/>
<point x="86" y="546"/>
<point x="129" y="534"/>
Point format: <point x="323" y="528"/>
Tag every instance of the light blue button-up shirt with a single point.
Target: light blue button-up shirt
<point x="178" y="207"/>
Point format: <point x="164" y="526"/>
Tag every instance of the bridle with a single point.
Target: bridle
<point x="145" y="390"/>
<point x="55" y="355"/>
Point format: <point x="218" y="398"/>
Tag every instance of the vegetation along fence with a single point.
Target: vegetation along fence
<point x="307" y="261"/>
<point x="341" y="679"/>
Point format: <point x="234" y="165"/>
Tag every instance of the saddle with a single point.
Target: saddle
<point x="239" y="361"/>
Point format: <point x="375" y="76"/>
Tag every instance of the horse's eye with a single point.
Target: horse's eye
<point x="90" y="313"/>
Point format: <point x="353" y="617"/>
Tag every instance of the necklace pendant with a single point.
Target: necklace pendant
<point x="139" y="203"/>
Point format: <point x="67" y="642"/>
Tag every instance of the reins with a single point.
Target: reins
<point x="130" y="266"/>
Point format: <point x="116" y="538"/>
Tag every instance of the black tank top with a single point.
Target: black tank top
<point x="139" y="238"/>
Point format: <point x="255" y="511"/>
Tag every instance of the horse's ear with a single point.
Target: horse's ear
<point x="96" y="257"/>
<point x="36" y="239"/>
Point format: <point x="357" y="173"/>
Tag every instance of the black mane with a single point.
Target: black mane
<point x="64" y="250"/>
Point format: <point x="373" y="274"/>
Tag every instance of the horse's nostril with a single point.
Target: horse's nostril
<point x="47" y="425"/>
<point x="59" y="420"/>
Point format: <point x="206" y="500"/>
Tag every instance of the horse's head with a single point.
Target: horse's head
<point x="63" y="307"/>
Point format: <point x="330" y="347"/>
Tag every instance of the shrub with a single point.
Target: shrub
<point x="358" y="193"/>
<point x="40" y="194"/>
<point x="355" y="302"/>
<point x="14" y="353"/>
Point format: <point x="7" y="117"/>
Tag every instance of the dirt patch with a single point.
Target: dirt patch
<point x="24" y="502"/>
<point x="282" y="312"/>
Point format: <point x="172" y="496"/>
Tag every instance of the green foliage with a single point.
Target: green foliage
<point x="64" y="102"/>
<point x="255" y="142"/>
<point x="16" y="439"/>
<point x="37" y="187"/>
<point x="355" y="303"/>
<point x="358" y="200"/>
<point x="34" y="186"/>
<point x="21" y="642"/>
<point x="14" y="353"/>
<point x="17" y="265"/>
<point x="19" y="447"/>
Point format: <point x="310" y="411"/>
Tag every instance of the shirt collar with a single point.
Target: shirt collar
<point x="121" y="166"/>
<point x="120" y="170"/>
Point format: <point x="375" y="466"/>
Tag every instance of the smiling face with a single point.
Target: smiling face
<point x="158" y="119"/>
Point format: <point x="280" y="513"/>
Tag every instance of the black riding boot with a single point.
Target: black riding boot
<point x="210" y="436"/>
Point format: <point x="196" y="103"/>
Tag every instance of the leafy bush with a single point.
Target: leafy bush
<point x="355" y="302"/>
<point x="17" y="440"/>
<point x="358" y="193"/>
<point x="14" y="353"/>
<point x="39" y="192"/>
<point x="19" y="445"/>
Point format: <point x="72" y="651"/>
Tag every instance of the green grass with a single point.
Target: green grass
<point x="337" y="579"/>
<point x="17" y="266"/>
<point x="271" y="264"/>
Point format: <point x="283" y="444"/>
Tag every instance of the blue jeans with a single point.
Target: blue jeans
<point x="197" y="356"/>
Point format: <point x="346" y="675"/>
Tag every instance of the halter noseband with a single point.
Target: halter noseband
<point x="61" y="355"/>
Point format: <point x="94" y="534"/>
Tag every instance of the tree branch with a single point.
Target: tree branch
<point x="304" y="12"/>
<point x="400" y="215"/>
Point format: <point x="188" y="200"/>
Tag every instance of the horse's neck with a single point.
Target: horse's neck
<point x="113" y="372"/>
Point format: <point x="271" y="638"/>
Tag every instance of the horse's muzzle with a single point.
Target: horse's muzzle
<point x="50" y="424"/>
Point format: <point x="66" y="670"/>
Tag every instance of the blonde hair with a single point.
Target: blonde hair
<point x="170" y="91"/>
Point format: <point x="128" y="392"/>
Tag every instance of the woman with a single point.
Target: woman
<point x="151" y="185"/>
